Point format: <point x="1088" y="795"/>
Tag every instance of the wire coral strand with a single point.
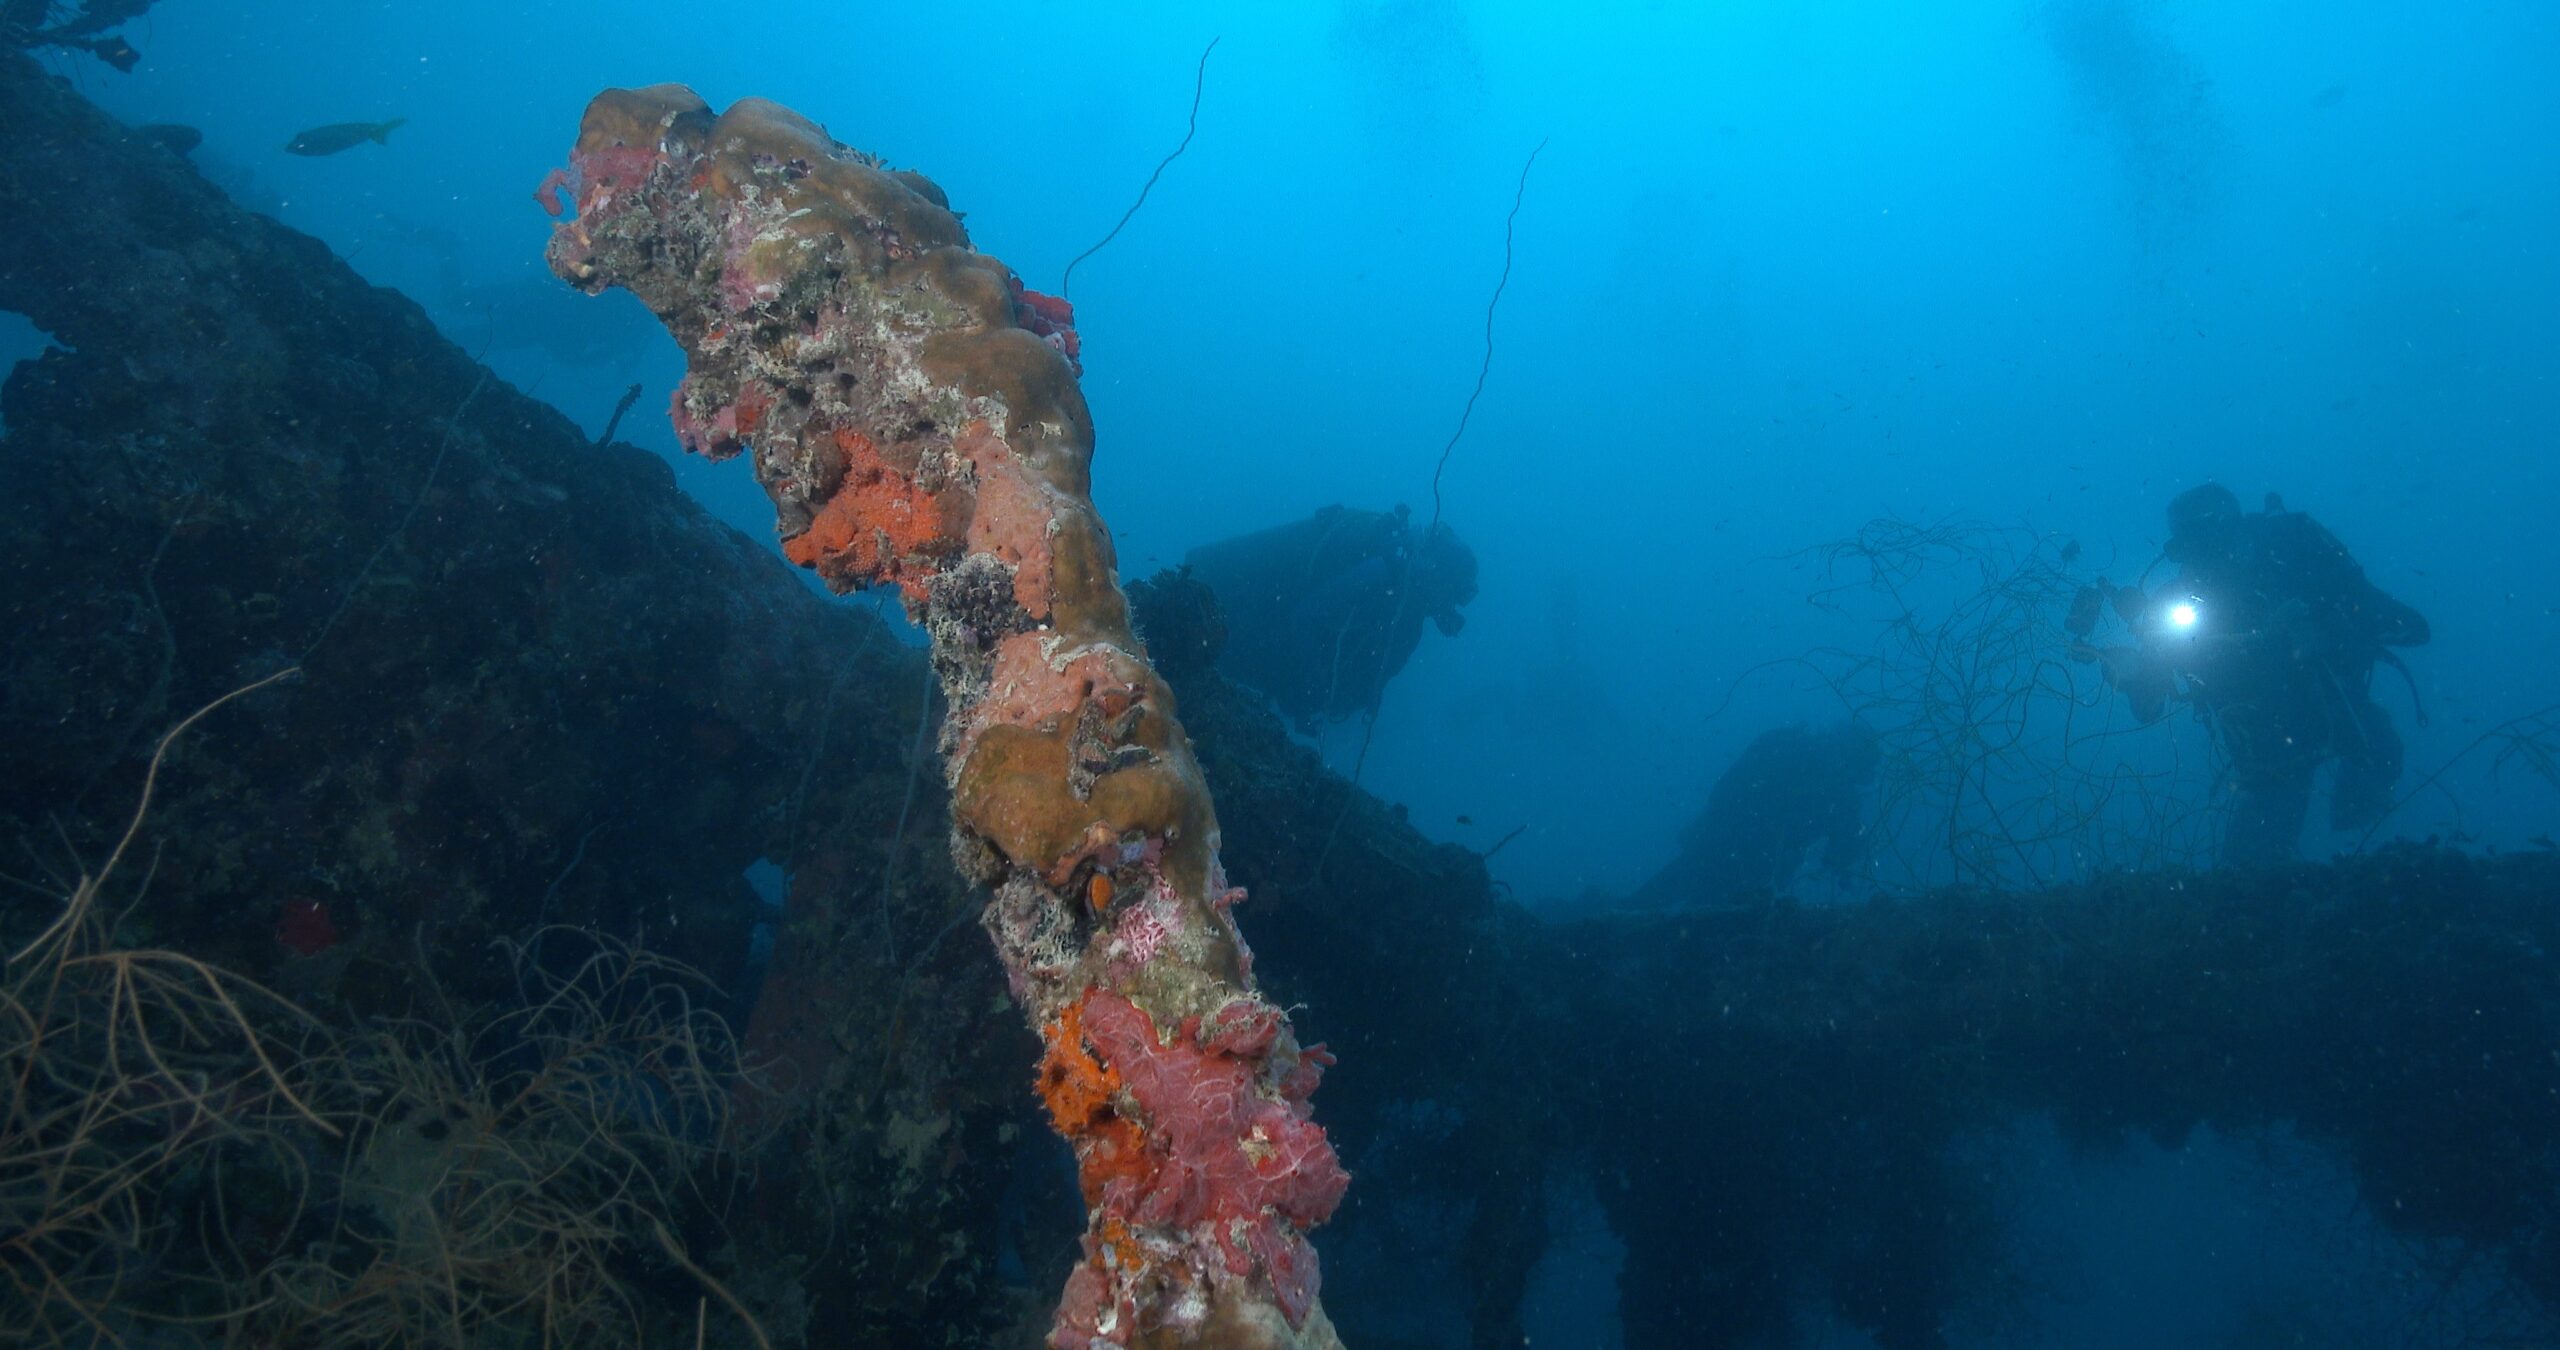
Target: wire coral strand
<point x="85" y="895"/>
<point x="1199" y="83"/>
<point x="435" y="466"/>
<point x="1466" y="414"/>
<point x="1510" y="229"/>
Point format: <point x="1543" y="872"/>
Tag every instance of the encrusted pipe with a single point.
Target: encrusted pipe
<point x="913" y="411"/>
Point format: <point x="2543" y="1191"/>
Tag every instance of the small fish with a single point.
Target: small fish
<point x="338" y="136"/>
<point x="113" y="50"/>
<point x="1466" y="820"/>
<point x="2330" y="97"/>
<point x="169" y="136"/>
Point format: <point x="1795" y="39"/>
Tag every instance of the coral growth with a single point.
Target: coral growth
<point x="1051" y="319"/>
<point x="1084" y="1094"/>
<point x="507" y="1172"/>
<point x="503" y="1172"/>
<point x="913" y="412"/>
<point x="1227" y="1154"/>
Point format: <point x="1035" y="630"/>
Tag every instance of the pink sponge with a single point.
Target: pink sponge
<point x="1229" y="1134"/>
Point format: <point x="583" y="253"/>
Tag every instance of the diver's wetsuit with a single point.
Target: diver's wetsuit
<point x="2281" y="662"/>
<point x="1322" y="612"/>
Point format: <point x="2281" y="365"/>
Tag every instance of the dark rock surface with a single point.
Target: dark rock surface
<point x="540" y="686"/>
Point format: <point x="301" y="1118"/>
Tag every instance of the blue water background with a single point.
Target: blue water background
<point x="1782" y="268"/>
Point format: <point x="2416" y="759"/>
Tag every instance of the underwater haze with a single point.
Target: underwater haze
<point x="1783" y="366"/>
<point x="1780" y="271"/>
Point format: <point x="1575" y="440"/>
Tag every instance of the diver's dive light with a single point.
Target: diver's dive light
<point x="2181" y="616"/>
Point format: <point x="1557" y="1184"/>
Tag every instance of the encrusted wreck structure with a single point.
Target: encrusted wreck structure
<point x="544" y="698"/>
<point x="913" y="412"/>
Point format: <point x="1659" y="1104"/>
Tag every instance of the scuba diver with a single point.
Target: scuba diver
<point x="2271" y="631"/>
<point x="1788" y="790"/>
<point x="1321" y="613"/>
